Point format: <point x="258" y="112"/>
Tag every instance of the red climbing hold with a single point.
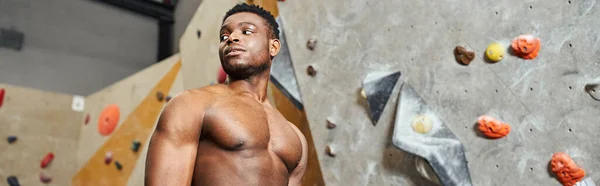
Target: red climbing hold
<point x="221" y="75"/>
<point x="45" y="178"/>
<point x="87" y="119"/>
<point x="47" y="159"/>
<point x="2" y="92"/>
<point x="108" y="157"/>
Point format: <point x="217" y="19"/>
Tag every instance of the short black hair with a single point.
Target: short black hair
<point x="266" y="15"/>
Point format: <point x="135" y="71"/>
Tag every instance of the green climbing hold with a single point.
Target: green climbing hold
<point x="119" y="166"/>
<point x="136" y="145"/>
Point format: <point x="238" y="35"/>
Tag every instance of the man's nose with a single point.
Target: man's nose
<point x="234" y="37"/>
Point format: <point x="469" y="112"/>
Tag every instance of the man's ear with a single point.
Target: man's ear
<point x="274" y="47"/>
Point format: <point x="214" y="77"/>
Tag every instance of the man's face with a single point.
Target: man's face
<point x="246" y="48"/>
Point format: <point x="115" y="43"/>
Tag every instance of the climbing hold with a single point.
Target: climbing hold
<point x="118" y="165"/>
<point x="311" y="71"/>
<point x="363" y="94"/>
<point x="135" y="146"/>
<point x="221" y="75"/>
<point x="495" y="52"/>
<point x="567" y="172"/>
<point x="45" y="178"/>
<point x="13" y="181"/>
<point x="329" y="151"/>
<point x="2" y="92"/>
<point x="311" y="43"/>
<point x="198" y="33"/>
<point x="160" y="96"/>
<point x="378" y="87"/>
<point x="526" y="46"/>
<point x="47" y="160"/>
<point x="168" y="98"/>
<point x="422" y="124"/>
<point x="11" y="139"/>
<point x="87" y="119"/>
<point x="492" y="128"/>
<point x="463" y="56"/>
<point x="593" y="89"/>
<point x="108" y="157"/>
<point x="330" y="124"/>
<point x="108" y="120"/>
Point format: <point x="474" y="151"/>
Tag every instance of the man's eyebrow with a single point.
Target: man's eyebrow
<point x="239" y="24"/>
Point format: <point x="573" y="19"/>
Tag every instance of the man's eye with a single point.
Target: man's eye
<point x="223" y="38"/>
<point x="247" y="32"/>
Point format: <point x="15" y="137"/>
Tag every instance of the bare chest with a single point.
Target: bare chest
<point x="252" y="126"/>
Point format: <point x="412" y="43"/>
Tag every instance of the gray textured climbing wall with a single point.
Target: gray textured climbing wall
<point x="542" y="99"/>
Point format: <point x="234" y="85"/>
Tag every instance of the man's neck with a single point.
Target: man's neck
<point x="255" y="86"/>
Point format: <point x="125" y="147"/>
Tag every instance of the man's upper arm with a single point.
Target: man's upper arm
<point x="298" y="173"/>
<point x="172" y="150"/>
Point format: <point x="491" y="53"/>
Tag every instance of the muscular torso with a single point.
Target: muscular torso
<point x="245" y="142"/>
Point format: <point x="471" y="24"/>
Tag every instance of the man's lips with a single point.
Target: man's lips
<point x="235" y="50"/>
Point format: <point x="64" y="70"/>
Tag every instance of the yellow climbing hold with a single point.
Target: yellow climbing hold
<point x="495" y="52"/>
<point x="363" y="94"/>
<point x="422" y="124"/>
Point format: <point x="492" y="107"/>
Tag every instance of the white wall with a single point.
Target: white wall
<point x="75" y="47"/>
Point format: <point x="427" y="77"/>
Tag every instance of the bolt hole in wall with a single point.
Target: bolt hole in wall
<point x="497" y="166"/>
<point x="496" y="90"/>
<point x="570" y="130"/>
<point x="570" y="45"/>
<point x="570" y="87"/>
<point x="530" y="7"/>
<point x="530" y="168"/>
<point x="530" y="130"/>
<point x="496" y="13"/>
<point x="531" y="88"/>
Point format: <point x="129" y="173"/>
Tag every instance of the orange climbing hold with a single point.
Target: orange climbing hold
<point x="567" y="172"/>
<point x="47" y="160"/>
<point x="526" y="46"/>
<point x="492" y="128"/>
<point x="108" y="120"/>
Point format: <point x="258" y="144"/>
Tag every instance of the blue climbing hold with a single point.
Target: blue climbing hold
<point x="136" y="145"/>
<point x="11" y="139"/>
<point x="12" y="181"/>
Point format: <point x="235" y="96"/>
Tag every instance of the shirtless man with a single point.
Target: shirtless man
<point x="229" y="134"/>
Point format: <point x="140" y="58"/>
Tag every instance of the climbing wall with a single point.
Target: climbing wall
<point x="542" y="99"/>
<point x="139" y="107"/>
<point x="43" y="122"/>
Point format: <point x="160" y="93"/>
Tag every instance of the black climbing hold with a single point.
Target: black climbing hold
<point x="13" y="181"/>
<point x="135" y="146"/>
<point x="118" y="165"/>
<point x="160" y="96"/>
<point x="378" y="87"/>
<point x="11" y="139"/>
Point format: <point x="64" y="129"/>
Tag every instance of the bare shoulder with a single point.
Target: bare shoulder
<point x="188" y="107"/>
